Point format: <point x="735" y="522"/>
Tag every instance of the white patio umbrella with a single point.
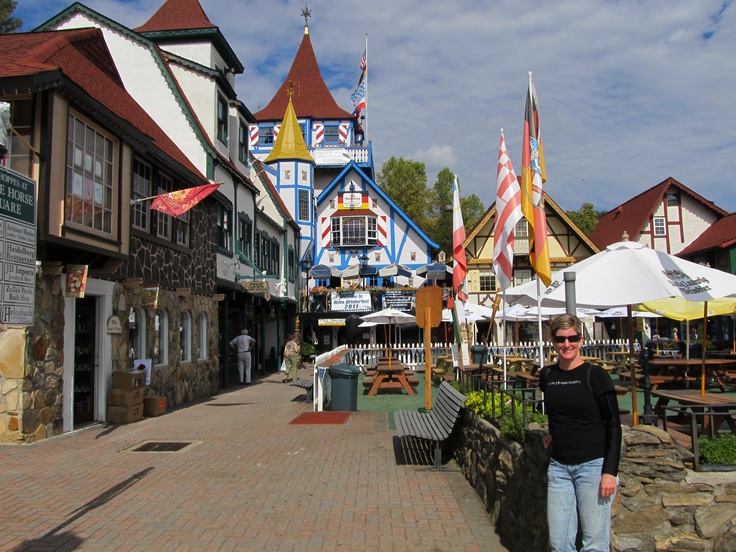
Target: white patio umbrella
<point x="629" y="273"/>
<point x="394" y="270"/>
<point x="621" y="312"/>
<point x="390" y="316"/>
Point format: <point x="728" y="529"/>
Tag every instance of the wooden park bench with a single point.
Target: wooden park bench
<point x="435" y="425"/>
<point x="306" y="384"/>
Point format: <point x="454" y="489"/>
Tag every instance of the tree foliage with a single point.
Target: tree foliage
<point x="405" y="182"/>
<point x="586" y="218"/>
<point x="8" y="24"/>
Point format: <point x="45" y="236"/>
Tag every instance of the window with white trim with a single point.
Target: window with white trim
<point x="521" y="230"/>
<point x="291" y="259"/>
<point x="19" y="156"/>
<point x="222" y="114"/>
<point x="185" y="336"/>
<point x="660" y="226"/>
<point x="243" y="138"/>
<point x="161" y="344"/>
<point x="89" y="177"/>
<point x="332" y="134"/>
<point x="265" y="136"/>
<point x="522" y="276"/>
<point x="354" y="231"/>
<point x="224" y="227"/>
<point x="245" y="235"/>
<point x="142" y="181"/>
<point x="137" y="333"/>
<point x="487" y="280"/>
<point x="304" y="205"/>
<point x="202" y="327"/>
<point x="165" y="185"/>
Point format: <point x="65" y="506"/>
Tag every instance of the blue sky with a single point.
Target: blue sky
<point x="630" y="91"/>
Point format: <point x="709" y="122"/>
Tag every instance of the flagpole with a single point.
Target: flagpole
<point x="539" y="321"/>
<point x="365" y="128"/>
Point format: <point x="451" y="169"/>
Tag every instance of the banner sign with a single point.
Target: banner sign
<point x="17" y="248"/>
<point x="76" y="280"/>
<point x="399" y="300"/>
<point x="353" y="301"/>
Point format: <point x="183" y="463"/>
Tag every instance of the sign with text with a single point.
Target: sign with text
<point x="257" y="288"/>
<point x="352" y="301"/>
<point x="17" y="248"/>
<point x="399" y="300"/>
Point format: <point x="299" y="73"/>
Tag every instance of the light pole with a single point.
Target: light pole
<point x="363" y="264"/>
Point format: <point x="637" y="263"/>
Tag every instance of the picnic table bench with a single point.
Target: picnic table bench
<point x="435" y="425"/>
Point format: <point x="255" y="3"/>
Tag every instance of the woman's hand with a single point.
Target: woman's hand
<point x="608" y="485"/>
<point x="547" y="441"/>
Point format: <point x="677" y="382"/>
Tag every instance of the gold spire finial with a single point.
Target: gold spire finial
<point x="290" y="91"/>
<point x="306" y="14"/>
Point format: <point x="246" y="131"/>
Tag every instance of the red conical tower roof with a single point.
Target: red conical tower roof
<point x="176" y="15"/>
<point x="311" y="97"/>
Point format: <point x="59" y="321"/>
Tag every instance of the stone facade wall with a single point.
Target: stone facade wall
<point x="180" y="382"/>
<point x="32" y="359"/>
<point x="31" y="370"/>
<point x="661" y="505"/>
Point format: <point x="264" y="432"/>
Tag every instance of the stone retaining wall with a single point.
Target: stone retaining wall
<point x="661" y="505"/>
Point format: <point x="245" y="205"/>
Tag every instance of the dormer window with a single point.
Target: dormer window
<point x="222" y="118"/>
<point x="354" y="229"/>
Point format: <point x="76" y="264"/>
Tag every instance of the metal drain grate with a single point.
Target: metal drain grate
<point x="162" y="446"/>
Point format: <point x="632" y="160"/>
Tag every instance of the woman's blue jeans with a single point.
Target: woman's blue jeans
<point x="573" y="490"/>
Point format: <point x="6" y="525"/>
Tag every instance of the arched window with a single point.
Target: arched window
<point x="202" y="327"/>
<point x="185" y="337"/>
<point x="136" y="336"/>
<point x="161" y="343"/>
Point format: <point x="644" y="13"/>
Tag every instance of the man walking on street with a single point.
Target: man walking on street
<point x="243" y="344"/>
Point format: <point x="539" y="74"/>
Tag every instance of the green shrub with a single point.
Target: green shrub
<point x="721" y="450"/>
<point x="307" y="350"/>
<point x="511" y="422"/>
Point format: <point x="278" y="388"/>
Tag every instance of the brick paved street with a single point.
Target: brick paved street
<point x="249" y="481"/>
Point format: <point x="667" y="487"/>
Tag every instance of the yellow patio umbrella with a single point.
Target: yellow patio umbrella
<point x="677" y="308"/>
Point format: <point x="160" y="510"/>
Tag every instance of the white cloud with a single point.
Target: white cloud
<point x="631" y="92"/>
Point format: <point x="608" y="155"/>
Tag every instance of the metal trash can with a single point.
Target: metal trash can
<point x="344" y="387"/>
<point x="477" y="352"/>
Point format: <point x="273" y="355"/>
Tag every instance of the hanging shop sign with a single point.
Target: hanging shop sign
<point x="257" y="288"/>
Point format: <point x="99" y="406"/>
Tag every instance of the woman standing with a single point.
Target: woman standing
<point x="291" y="357"/>
<point x="585" y="441"/>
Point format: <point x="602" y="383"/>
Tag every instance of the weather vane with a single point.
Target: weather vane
<point x="306" y="14"/>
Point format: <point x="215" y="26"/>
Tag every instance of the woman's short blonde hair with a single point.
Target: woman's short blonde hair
<point x="565" y="322"/>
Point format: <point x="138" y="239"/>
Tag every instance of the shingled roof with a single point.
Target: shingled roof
<point x="720" y="235"/>
<point x="81" y="57"/>
<point x="311" y="97"/>
<point x="177" y="15"/>
<point x="632" y="216"/>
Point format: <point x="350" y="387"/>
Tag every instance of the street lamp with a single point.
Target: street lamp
<point x="363" y="264"/>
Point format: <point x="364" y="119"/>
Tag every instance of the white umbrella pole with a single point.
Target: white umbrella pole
<point x="539" y="321"/>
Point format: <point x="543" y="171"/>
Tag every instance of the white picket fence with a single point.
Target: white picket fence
<point x="413" y="355"/>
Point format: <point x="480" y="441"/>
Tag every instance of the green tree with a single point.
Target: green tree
<point x="586" y="218"/>
<point x="473" y="209"/>
<point x="405" y="182"/>
<point x="439" y="226"/>
<point x="8" y="24"/>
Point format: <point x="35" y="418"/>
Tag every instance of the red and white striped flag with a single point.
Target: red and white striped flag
<point x="460" y="268"/>
<point x="508" y="213"/>
<point x="533" y="177"/>
<point x="179" y="202"/>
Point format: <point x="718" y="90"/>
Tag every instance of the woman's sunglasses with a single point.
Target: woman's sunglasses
<point x="561" y="338"/>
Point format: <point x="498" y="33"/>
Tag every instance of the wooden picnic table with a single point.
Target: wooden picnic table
<point x="714" y="367"/>
<point x="693" y="398"/>
<point x="390" y="376"/>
